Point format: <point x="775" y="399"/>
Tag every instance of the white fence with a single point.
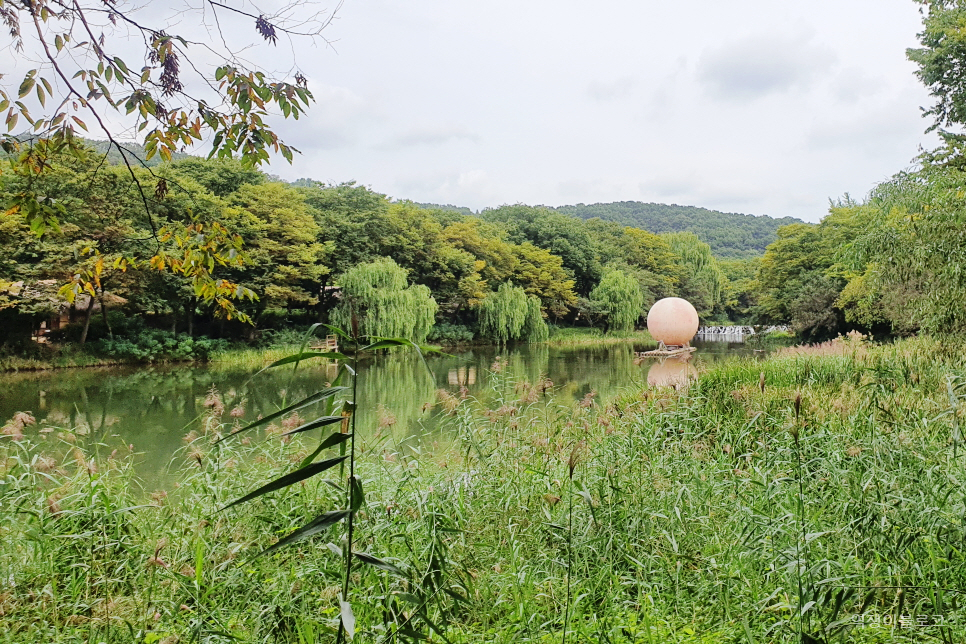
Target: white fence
<point x="734" y="333"/>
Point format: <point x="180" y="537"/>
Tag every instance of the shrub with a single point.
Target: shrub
<point x="152" y="345"/>
<point x="446" y="333"/>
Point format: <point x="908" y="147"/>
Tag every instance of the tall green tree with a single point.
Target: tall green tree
<point x="618" y="300"/>
<point x="916" y="250"/>
<point x="538" y="271"/>
<point x="940" y="60"/>
<point x="702" y="281"/>
<point x="377" y="300"/>
<point x="563" y="236"/>
<point x="285" y="263"/>
<point x="510" y="314"/>
<point x="741" y="289"/>
<point x="646" y="257"/>
<point x="182" y="87"/>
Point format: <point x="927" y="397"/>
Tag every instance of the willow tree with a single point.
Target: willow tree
<point x="377" y="300"/>
<point x="703" y="282"/>
<point x="535" y="328"/>
<point x="618" y="299"/>
<point x="510" y="314"/>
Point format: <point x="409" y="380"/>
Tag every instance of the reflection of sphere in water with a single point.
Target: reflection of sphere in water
<point x="672" y="321"/>
<point x="672" y="373"/>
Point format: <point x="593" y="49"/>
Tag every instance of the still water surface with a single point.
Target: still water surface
<point x="154" y="408"/>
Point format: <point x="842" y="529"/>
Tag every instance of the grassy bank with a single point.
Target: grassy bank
<point x="819" y="491"/>
<point x="249" y="357"/>
<point x="66" y="359"/>
<point x="575" y="336"/>
<point x="69" y="357"/>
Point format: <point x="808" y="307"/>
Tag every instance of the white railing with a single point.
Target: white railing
<point x="735" y="332"/>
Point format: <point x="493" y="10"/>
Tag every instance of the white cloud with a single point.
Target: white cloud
<point x="757" y="66"/>
<point x="855" y="84"/>
<point x="336" y="120"/>
<point x="428" y="136"/>
<point x="616" y="89"/>
<point x="548" y="103"/>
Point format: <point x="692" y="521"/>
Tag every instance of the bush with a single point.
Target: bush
<point x="280" y="338"/>
<point x="152" y="345"/>
<point x="446" y="333"/>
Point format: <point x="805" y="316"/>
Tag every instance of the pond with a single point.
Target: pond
<point x="154" y="408"/>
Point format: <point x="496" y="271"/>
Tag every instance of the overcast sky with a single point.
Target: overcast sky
<point x="752" y="106"/>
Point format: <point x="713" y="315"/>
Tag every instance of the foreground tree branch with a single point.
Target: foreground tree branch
<point x="186" y="91"/>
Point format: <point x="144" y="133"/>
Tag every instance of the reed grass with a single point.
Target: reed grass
<point x="725" y="513"/>
<point x="578" y="336"/>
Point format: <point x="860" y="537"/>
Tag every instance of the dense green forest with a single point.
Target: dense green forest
<point x="213" y="249"/>
<point x="892" y="264"/>
<point x="730" y="235"/>
<point x="112" y="271"/>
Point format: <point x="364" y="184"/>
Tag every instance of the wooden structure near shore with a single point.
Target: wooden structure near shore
<point x="330" y="344"/>
<point x="665" y="352"/>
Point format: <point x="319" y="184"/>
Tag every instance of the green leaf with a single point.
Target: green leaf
<point x="388" y="343"/>
<point x="463" y="599"/>
<point x="322" y="421"/>
<point x="336" y="330"/>
<point x="408" y="598"/>
<point x="28" y="83"/>
<point x="412" y="634"/>
<point x="321" y="523"/>
<point x="375" y="562"/>
<point x="348" y="618"/>
<point x="306" y="338"/>
<point x="751" y="638"/>
<point x="289" y="479"/>
<point x="305" y="402"/>
<point x="333" y="440"/>
<point x="305" y="355"/>
<point x="356" y="494"/>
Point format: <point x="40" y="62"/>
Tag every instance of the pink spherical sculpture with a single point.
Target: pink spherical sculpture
<point x="672" y="321"/>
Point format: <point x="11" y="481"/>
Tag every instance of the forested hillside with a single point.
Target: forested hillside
<point x="730" y="235"/>
<point x="285" y="255"/>
<point x="136" y="154"/>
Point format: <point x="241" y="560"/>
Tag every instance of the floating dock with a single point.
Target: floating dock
<point x="665" y="352"/>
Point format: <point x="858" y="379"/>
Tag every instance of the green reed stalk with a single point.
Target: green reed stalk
<point x="801" y="522"/>
<point x="351" y="492"/>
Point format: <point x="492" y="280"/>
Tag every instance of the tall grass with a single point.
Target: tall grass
<point x="577" y="336"/>
<point x="724" y="513"/>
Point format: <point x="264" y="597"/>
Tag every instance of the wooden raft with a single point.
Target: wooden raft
<point x="665" y="352"/>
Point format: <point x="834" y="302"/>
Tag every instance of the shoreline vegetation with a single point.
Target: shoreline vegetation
<point x="71" y="357"/>
<point x="815" y="492"/>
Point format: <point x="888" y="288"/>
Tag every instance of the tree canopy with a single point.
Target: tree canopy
<point x="940" y="60"/>
<point x="730" y="235"/>
<point x="176" y="78"/>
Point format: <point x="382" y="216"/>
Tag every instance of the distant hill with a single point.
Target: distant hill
<point x="137" y="155"/>
<point x="136" y="149"/>
<point x="730" y="235"/>
<point x="463" y="210"/>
